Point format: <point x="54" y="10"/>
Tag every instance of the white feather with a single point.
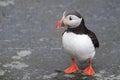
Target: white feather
<point x="79" y="46"/>
<point x="76" y="21"/>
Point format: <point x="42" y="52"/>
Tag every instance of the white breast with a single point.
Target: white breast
<point x="79" y="46"/>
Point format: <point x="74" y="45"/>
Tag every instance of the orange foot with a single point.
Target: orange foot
<point x="89" y="70"/>
<point x="73" y="68"/>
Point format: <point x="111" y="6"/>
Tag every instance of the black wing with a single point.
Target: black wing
<point x="94" y="39"/>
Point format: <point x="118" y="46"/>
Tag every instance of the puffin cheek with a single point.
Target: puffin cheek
<point x="74" y="23"/>
<point x="77" y="23"/>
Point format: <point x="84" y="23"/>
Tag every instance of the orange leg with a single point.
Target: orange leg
<point x="89" y="70"/>
<point x="73" y="68"/>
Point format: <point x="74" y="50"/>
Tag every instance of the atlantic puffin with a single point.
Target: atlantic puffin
<point x="78" y="41"/>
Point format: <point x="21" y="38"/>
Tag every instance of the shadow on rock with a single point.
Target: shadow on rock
<point x="75" y="76"/>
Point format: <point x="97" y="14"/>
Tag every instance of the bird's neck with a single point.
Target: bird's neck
<point x="78" y="30"/>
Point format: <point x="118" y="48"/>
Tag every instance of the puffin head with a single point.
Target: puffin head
<point x="70" y="19"/>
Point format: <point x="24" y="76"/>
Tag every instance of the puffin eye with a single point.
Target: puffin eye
<point x="70" y="18"/>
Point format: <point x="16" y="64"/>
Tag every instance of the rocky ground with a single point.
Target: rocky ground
<point x="31" y="48"/>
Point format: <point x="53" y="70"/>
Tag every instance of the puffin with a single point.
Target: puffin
<point x="78" y="41"/>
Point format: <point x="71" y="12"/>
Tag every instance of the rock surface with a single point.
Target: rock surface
<point x="30" y="46"/>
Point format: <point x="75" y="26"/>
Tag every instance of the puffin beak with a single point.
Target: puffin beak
<point x="61" y="23"/>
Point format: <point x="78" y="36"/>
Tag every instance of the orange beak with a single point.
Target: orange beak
<point x="59" y="23"/>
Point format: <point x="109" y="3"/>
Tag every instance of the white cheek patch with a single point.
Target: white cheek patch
<point x="74" y="23"/>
